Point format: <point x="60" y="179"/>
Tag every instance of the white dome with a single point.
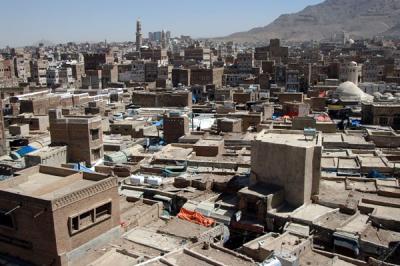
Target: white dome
<point x="349" y="91"/>
<point x="353" y="64"/>
<point x="348" y="88"/>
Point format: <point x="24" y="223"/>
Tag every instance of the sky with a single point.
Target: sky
<point x="25" y="22"/>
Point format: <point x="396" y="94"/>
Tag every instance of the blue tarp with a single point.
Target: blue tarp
<point x="158" y="123"/>
<point x="376" y="174"/>
<point x="25" y="150"/>
<point x="79" y="167"/>
<point x="355" y="122"/>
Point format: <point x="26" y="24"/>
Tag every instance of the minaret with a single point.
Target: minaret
<point x="163" y="40"/>
<point x="138" y="35"/>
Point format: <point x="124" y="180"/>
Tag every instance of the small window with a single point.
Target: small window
<point x="86" y="219"/>
<point x="75" y="223"/>
<point x="95" y="133"/>
<point x="103" y="211"/>
<point x="89" y="218"/>
<point x="383" y="121"/>
<point x="6" y="220"/>
<point x="81" y="221"/>
<point x="96" y="154"/>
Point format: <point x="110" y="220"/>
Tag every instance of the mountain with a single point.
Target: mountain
<point x="359" y="18"/>
<point x="393" y="31"/>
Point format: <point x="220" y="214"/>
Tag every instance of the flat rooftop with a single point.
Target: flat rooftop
<point x="209" y="143"/>
<point x="356" y="225"/>
<point x="173" y="153"/>
<point x="49" y="183"/>
<point x="133" y="123"/>
<point x="198" y="255"/>
<point x="77" y="119"/>
<point x="114" y="255"/>
<point x="311" y="212"/>
<point x="290" y="138"/>
<point x="315" y="258"/>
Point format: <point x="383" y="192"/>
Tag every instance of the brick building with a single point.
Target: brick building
<point x="198" y="54"/>
<point x="156" y="55"/>
<point x="293" y="109"/>
<point x="261" y="53"/>
<point x="165" y="72"/>
<point x="180" y="76"/>
<point x="272" y="52"/>
<point x="203" y="76"/>
<point x="7" y="72"/>
<point x="83" y="136"/>
<point x="290" y="97"/>
<point x="243" y="96"/>
<point x="249" y="119"/>
<point x="109" y="74"/>
<point x="175" y="126"/>
<point x="40" y="105"/>
<point x="162" y="99"/>
<point x="150" y="71"/>
<point x="286" y="161"/>
<point x="92" y="79"/>
<point x="22" y="67"/>
<point x="292" y="80"/>
<point x="38" y="69"/>
<point x="383" y="114"/>
<point x="245" y="62"/>
<point x="96" y="60"/>
<point x="278" y="52"/>
<point x="48" y="213"/>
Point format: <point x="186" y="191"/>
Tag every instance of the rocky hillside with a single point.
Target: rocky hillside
<point x="359" y="18"/>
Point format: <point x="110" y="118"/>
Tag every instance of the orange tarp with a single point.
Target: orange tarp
<point x="195" y="217"/>
<point x="323" y="118"/>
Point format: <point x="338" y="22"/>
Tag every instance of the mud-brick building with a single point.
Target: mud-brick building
<point x="49" y="215"/>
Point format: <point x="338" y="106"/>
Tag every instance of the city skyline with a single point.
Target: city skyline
<point x="181" y="132"/>
<point x="93" y="21"/>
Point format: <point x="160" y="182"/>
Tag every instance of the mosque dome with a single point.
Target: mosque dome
<point x="348" y="91"/>
<point x="353" y="64"/>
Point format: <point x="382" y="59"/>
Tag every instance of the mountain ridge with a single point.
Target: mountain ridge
<point x="358" y="18"/>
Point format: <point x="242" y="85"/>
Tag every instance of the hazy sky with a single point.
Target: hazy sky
<point x="25" y="22"/>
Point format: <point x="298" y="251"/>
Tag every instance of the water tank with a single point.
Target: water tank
<point x="154" y="180"/>
<point x="388" y="96"/>
<point x="137" y="180"/>
<point x="175" y="113"/>
<point x="377" y="95"/>
<point x="116" y="157"/>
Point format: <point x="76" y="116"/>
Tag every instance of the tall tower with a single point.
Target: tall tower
<point x="3" y="143"/>
<point x="163" y="40"/>
<point x="353" y="72"/>
<point x="138" y="35"/>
